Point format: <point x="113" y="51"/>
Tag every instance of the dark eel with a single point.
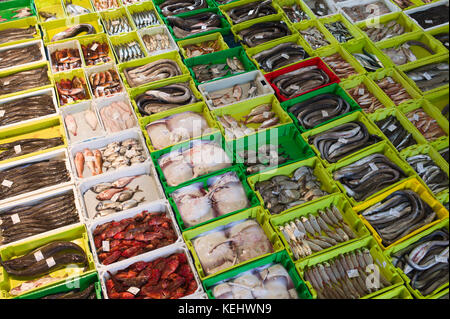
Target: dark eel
<point x="262" y="32"/>
<point x="172" y="7"/>
<point x="396" y="133"/>
<point x="73" y="31"/>
<point x="280" y="55"/>
<point x="201" y="22"/>
<point x="251" y="11"/>
<point x="28" y="146"/>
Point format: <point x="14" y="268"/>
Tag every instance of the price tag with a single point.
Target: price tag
<point x="7" y="183"/>
<point x="446" y="44"/>
<point x="18" y="149"/>
<point x="428" y="21"/>
<point x="50" y="262"/>
<point x="38" y="255"/>
<point x="415" y="117"/>
<point x="361" y="91"/>
<point x="394" y="212"/>
<point x="191" y="8"/>
<point x="89" y="158"/>
<point x="373" y="166"/>
<point x="324" y="113"/>
<point x="203" y="27"/>
<point x="105" y="245"/>
<point x="94" y="46"/>
<point x="352" y="273"/>
<point x="342" y="140"/>
<point x="441" y="259"/>
<point x="2" y="113"/>
<point x="251" y="12"/>
<point x="259" y="36"/>
<point x="6" y="82"/>
<point x="266" y="114"/>
<point x="392" y="128"/>
<point x="15" y="218"/>
<point x="295" y="87"/>
<point x="134" y="290"/>
<point x="427" y="76"/>
<point x="284" y="55"/>
<point x="27" y="286"/>
<point x="321" y="6"/>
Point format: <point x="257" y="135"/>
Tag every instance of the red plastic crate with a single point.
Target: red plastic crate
<point x="312" y="61"/>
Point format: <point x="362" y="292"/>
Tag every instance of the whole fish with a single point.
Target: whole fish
<point x="79" y="164"/>
<point x="124" y="181"/>
<point x="109" y="193"/>
<point x="71" y="124"/>
<point x="91" y="119"/>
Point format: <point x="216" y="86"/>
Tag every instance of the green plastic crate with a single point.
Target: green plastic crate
<point x="227" y="7"/>
<point x="357" y="46"/>
<point x="275" y="258"/>
<point x="239" y="110"/>
<point x="355" y="116"/>
<point x="252" y="213"/>
<point x="22" y="24"/>
<point x="157" y="3"/>
<point x="124" y="39"/>
<point x="384" y="265"/>
<point x="340" y="201"/>
<point x="54" y="7"/>
<point x="7" y="9"/>
<point x="324" y="31"/>
<point x="354" y="31"/>
<point x="144" y="6"/>
<point x="388" y="253"/>
<point x="400" y="292"/>
<point x="327" y="183"/>
<point x="69" y="75"/>
<point x="204" y="38"/>
<point x="253" y="200"/>
<point x="300" y="4"/>
<point x="78" y="283"/>
<point x="331" y="89"/>
<point x="76" y="234"/>
<point x="381" y="148"/>
<point x="286" y="137"/>
<point x="83" y="3"/>
<point x="220" y="58"/>
<point x="100" y="38"/>
<point x="200" y="108"/>
<point x="121" y="12"/>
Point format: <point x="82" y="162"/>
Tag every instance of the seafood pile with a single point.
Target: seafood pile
<point x="17" y="56"/>
<point x="346" y="276"/>
<point x="262" y="32"/>
<point x="233" y="94"/>
<point x="95" y="53"/>
<point x="368" y="102"/>
<point x="267" y="282"/>
<point x="265" y="156"/>
<point x="113" y="156"/>
<point x="319" y="7"/>
<point x="294" y="13"/>
<point x="339" y="31"/>
<point x="87" y="293"/>
<point x="143" y="19"/>
<point x="101" y="5"/>
<point x="368" y="175"/>
<point x="261" y="114"/>
<point x="105" y="83"/>
<point x="282" y="192"/>
<point x="73" y="31"/>
<point x="382" y="31"/>
<point x="172" y="7"/>
<point x="27" y="146"/>
<point x="193" y="50"/>
<point x="165" y="98"/>
<point x="309" y="235"/>
<point x="402" y="54"/>
<point x="425" y="262"/>
<point x="16" y="34"/>
<point x="251" y="10"/>
<point x="211" y="71"/>
<point x="319" y="109"/>
<point x="370" y="62"/>
<point x="29" y="220"/>
<point x="432" y="16"/>
<point x="225" y="195"/>
<point x="363" y="11"/>
<point x="280" y="55"/>
<point x="176" y="128"/>
<point x="73" y="90"/>
<point x="120" y="240"/>
<point x="403" y="4"/>
<point x="430" y="76"/>
<point x="74" y="9"/>
<point x="24" y="80"/>
<point x="201" y="22"/>
<point x="431" y="174"/>
<point x="118" y="25"/>
<point x="128" y="51"/>
<point x="30" y="177"/>
<point x="314" y="37"/>
<point x="74" y="121"/>
<point x="65" y="59"/>
<point x="396" y="133"/>
<point x="200" y="158"/>
<point x="26" y="108"/>
<point x="426" y="125"/>
<point x="394" y="90"/>
<point x="150" y="72"/>
<point x="47" y="16"/>
<point x="117" y="116"/>
<point x="342" y="140"/>
<point x="300" y="81"/>
<point x="54" y="255"/>
<point x="230" y="245"/>
<point x="168" y="277"/>
<point x="340" y="66"/>
<point x="156" y="42"/>
<point x="398" y="215"/>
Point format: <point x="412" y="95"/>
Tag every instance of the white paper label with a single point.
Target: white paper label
<point x="50" y="262"/>
<point x="89" y="158"/>
<point x="26" y="286"/>
<point x="394" y="212"/>
<point x="94" y="46"/>
<point x="7" y="183"/>
<point x="251" y="12"/>
<point x="428" y="21"/>
<point x="324" y="113"/>
<point x="321" y="6"/>
<point x="420" y="168"/>
<point x="133" y="290"/>
<point x="441" y="259"/>
<point x="427" y="76"/>
<point x="392" y="128"/>
<point x="18" y="149"/>
<point x="259" y="36"/>
<point x="6" y="82"/>
<point x="295" y="87"/>
<point x="373" y="167"/>
<point x="105" y="245"/>
<point x="352" y="273"/>
<point x="361" y="91"/>
<point x="446" y="44"/>
<point x="203" y="27"/>
<point x="2" y="113"/>
<point x="284" y="55"/>
<point x="15" y="219"/>
<point x="266" y="114"/>
<point x="38" y="255"/>
<point x="190" y="8"/>
<point x="342" y="140"/>
<point x="415" y="117"/>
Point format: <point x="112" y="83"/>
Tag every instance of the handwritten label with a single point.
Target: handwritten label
<point x="7" y="183"/>
<point x="284" y="55"/>
<point x="251" y="12"/>
<point x="441" y="259"/>
<point x="15" y="218"/>
<point x="361" y="91"/>
<point x="203" y="27"/>
<point x="2" y="113"/>
<point x="373" y="166"/>
<point x="428" y="21"/>
<point x="191" y="8"/>
<point x="89" y="158"/>
<point x="352" y="273"/>
<point x="321" y="6"/>
<point x="427" y="76"/>
<point x="94" y="46"/>
<point x="18" y="149"/>
<point x="324" y="113"/>
<point x="38" y="255"/>
<point x="50" y="262"/>
<point x="105" y="245"/>
<point x="392" y="128"/>
<point x="259" y="36"/>
<point x="133" y="290"/>
<point x="342" y="140"/>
